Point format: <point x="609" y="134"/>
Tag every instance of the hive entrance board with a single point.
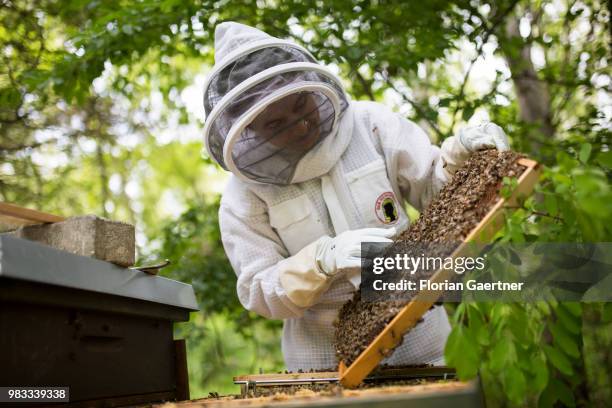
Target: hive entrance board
<point x="411" y="313"/>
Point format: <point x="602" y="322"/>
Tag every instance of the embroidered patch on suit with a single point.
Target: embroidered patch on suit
<point x="386" y="208"/>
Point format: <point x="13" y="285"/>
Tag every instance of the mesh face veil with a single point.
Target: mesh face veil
<point x="268" y="104"/>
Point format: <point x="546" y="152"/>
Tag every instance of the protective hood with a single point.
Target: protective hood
<point x="272" y="112"/>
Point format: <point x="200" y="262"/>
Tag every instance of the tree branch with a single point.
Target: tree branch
<point x="366" y="87"/>
<point x="415" y="105"/>
<point x="498" y="19"/>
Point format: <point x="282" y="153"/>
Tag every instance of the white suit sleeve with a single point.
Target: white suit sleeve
<point x="261" y="261"/>
<point x="419" y="167"/>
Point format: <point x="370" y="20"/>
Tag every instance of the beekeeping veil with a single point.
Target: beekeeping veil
<point x="272" y="112"/>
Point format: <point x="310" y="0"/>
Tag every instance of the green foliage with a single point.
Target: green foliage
<point x="534" y="353"/>
<point x="93" y="120"/>
<point x="217" y="351"/>
<point x="194" y="241"/>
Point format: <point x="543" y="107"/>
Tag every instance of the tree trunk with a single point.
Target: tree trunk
<point x="532" y="93"/>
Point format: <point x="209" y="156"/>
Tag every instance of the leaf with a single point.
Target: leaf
<point x="585" y="152"/>
<point x="569" y="321"/>
<point x="550" y="202"/>
<point x="482" y="335"/>
<point x="564" y="392"/>
<point x="518" y="327"/>
<point x="459" y="313"/>
<point x="477" y="325"/>
<point x="547" y="398"/>
<point x="461" y="353"/>
<point x="354" y="53"/>
<point x="605" y="159"/>
<point x="509" y="184"/>
<point x="515" y="384"/>
<point x="573" y="307"/>
<point x="564" y="340"/>
<point x="555" y="391"/>
<point x="543" y="307"/>
<point x="606" y="315"/>
<point x="499" y="312"/>
<point x="539" y="369"/>
<point x="9" y="97"/>
<point x="467" y="113"/>
<point x="444" y="102"/>
<point x="502" y="354"/>
<point x="558" y="360"/>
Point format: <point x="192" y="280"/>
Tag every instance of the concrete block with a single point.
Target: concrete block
<point x="87" y="235"/>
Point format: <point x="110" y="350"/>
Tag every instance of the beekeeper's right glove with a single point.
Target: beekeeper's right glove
<point x="307" y="274"/>
<point x="344" y="251"/>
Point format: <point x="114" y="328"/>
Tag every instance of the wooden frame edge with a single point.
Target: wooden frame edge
<point x="407" y="318"/>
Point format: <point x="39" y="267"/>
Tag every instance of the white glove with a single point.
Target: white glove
<point x="483" y="136"/>
<point x="457" y="149"/>
<point x="307" y="274"/>
<point x="343" y="253"/>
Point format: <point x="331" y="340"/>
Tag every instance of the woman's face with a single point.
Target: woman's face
<point x="291" y="123"/>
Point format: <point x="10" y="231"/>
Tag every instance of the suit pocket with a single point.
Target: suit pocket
<point x="297" y="223"/>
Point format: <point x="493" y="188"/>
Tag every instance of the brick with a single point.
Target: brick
<point x="87" y="235"/>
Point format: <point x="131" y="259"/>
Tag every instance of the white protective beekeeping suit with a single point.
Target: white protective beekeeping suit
<point x="279" y="205"/>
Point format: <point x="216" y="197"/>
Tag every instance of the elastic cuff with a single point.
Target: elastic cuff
<point x="300" y="278"/>
<point x="463" y="150"/>
<point x="322" y="244"/>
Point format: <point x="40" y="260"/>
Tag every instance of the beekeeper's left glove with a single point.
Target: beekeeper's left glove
<point x="457" y="149"/>
<point x="484" y="136"/>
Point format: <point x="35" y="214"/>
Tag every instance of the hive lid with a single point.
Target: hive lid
<point x="34" y="262"/>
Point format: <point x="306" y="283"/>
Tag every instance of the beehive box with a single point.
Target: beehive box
<point x="102" y="330"/>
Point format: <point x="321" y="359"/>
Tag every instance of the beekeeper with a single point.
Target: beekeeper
<point x="314" y="174"/>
